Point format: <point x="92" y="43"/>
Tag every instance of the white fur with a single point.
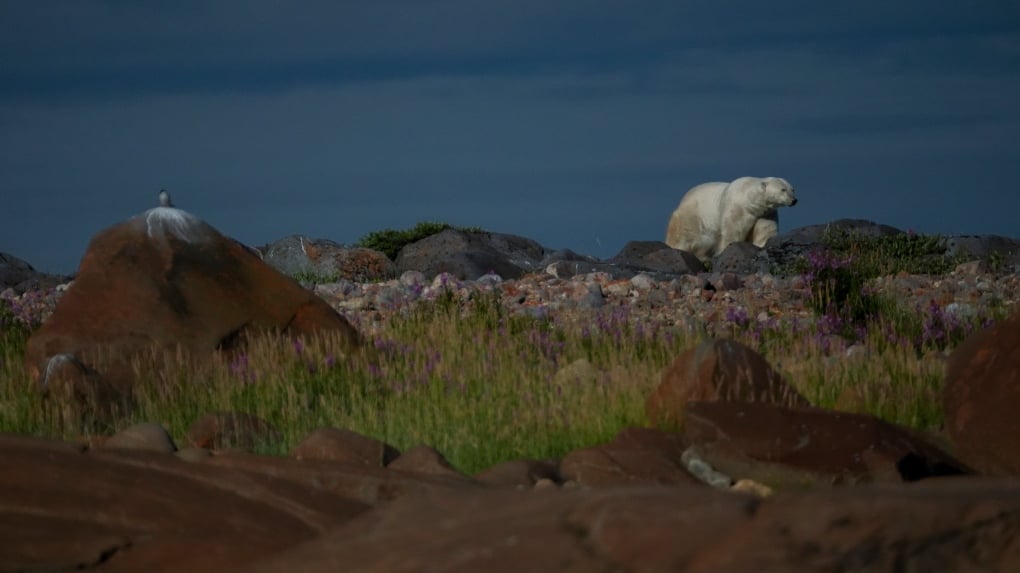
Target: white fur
<point x="712" y="215"/>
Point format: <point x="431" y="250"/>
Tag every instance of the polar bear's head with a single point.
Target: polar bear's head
<point x="778" y="192"/>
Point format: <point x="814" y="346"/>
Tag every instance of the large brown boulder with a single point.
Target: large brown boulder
<point x="982" y="399"/>
<point x="794" y="447"/>
<point x="222" y="430"/>
<point x="63" y="509"/>
<point x="343" y="445"/>
<point x="501" y="530"/>
<point x="167" y="279"/>
<point x="717" y="370"/>
<point x="354" y="481"/>
<point x="956" y="525"/>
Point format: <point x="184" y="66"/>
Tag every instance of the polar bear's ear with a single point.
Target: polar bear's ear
<point x="764" y="185"/>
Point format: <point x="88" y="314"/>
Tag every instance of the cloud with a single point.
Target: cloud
<point x="105" y="49"/>
<point x="578" y="123"/>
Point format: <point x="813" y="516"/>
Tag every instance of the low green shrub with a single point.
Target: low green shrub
<point x="390" y="241"/>
<point x="875" y="256"/>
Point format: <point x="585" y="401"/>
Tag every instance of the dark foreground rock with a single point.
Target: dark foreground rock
<point x="949" y="526"/>
<point x="65" y="508"/>
<point x="62" y="509"/>
<point x="801" y="447"/>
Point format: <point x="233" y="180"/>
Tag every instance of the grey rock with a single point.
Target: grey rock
<point x="469" y="255"/>
<point x="656" y="257"/>
<point x="565" y="255"/>
<point x="327" y="259"/>
<point x="984" y="247"/>
<point x="784" y="249"/>
<point x="726" y="281"/>
<point x="742" y="258"/>
<point x="643" y="281"/>
<point x="567" y="269"/>
<point x="413" y="279"/>
<point x="565" y="263"/>
<point x="18" y="274"/>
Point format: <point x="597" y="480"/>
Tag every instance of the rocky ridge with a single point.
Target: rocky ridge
<point x="647" y="279"/>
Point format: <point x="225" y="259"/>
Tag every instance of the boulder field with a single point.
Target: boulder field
<point x="740" y="472"/>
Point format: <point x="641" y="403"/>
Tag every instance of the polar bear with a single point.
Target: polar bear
<point x="713" y="215"/>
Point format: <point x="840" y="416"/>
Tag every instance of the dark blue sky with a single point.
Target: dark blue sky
<point x="577" y="123"/>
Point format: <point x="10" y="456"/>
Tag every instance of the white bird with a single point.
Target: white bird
<point x="164" y="198"/>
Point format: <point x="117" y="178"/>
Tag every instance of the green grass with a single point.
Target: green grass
<point x="884" y="255"/>
<point x="390" y="241"/>
<point x="480" y="383"/>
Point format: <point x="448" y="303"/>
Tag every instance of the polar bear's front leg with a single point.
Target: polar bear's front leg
<point x="764" y="229"/>
<point x="735" y="226"/>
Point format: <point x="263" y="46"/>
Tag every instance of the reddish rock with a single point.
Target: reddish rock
<point x="982" y="399"/>
<point x="364" y="265"/>
<point x="717" y="370"/>
<point x="635" y="456"/>
<point x="221" y="430"/>
<point x="422" y="459"/>
<point x="785" y="447"/>
<point x="944" y="525"/>
<point x="144" y="436"/>
<point x="500" y="530"/>
<point x="342" y="445"/>
<point x="61" y="509"/>
<point x="354" y="481"/>
<point x="123" y="510"/>
<point x="167" y="279"/>
<point x="296" y="255"/>
<point x="522" y="473"/>
<point x="956" y="525"/>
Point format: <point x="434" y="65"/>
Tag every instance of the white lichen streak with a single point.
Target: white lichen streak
<point x="163" y="221"/>
<point x="53" y="363"/>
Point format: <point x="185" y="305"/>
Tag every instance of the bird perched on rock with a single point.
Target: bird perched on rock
<point x="164" y="198"/>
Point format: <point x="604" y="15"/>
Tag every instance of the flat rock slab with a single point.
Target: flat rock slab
<point x="66" y="508"/>
<point x="63" y="508"/>
<point x="784" y="447"/>
<point x="960" y="524"/>
<point x="636" y="456"/>
<point x="353" y="481"/>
